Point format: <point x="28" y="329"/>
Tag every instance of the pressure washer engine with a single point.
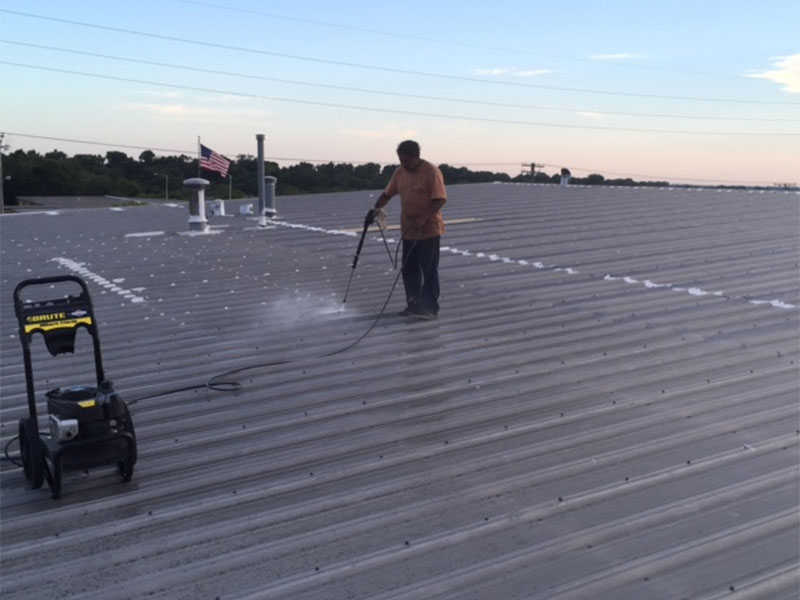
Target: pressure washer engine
<point x="89" y="426"/>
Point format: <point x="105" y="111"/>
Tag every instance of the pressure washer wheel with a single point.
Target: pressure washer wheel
<point x="53" y="472"/>
<point x="126" y="468"/>
<point x="125" y="423"/>
<point x="30" y="447"/>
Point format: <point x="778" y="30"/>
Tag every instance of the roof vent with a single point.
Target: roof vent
<point x="197" y="203"/>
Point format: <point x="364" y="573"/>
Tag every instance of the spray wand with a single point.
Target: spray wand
<point x="374" y="215"/>
<point x="368" y="220"/>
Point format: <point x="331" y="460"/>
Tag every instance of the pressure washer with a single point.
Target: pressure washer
<point x="89" y="426"/>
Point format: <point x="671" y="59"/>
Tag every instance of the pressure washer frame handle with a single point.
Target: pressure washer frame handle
<point x="57" y="320"/>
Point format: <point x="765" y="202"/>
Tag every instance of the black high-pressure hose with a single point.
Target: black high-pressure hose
<point x="221" y="383"/>
<point x="371" y="218"/>
<point x="10" y="458"/>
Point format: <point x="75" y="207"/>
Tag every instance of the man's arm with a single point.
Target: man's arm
<point x="382" y="200"/>
<point x="434" y="207"/>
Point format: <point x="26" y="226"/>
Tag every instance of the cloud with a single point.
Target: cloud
<point x="786" y="73"/>
<point x="593" y="116"/>
<point x="169" y="110"/>
<point x="158" y="94"/>
<point x="513" y="72"/>
<point x="228" y="98"/>
<point x="387" y="132"/>
<point x="616" y="56"/>
<point x="195" y="113"/>
<point x="491" y="71"/>
<point x="188" y="97"/>
<point x="531" y="72"/>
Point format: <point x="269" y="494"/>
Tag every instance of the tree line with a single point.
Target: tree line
<point x="28" y="173"/>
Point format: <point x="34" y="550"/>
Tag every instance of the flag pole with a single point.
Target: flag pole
<point x="199" y="156"/>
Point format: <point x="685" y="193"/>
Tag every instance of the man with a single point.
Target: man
<point x="422" y="195"/>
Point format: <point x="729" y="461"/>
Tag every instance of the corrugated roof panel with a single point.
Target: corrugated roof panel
<point x="607" y="405"/>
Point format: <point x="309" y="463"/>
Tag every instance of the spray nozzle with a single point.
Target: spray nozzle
<point x="377" y="216"/>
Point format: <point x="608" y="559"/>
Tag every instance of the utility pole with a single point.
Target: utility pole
<point x="535" y="166"/>
<point x="166" y="185"/>
<point x="531" y="168"/>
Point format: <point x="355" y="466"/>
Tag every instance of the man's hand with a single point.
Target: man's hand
<point x="418" y="222"/>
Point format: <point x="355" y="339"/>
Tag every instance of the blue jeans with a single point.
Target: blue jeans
<point x="421" y="273"/>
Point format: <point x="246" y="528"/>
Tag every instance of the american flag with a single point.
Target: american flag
<point x="213" y="162"/>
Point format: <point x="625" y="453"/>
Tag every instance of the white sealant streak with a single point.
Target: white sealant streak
<point x="697" y="292"/>
<point x="315" y="229"/>
<point x="101" y="281"/>
<point x="196" y="233"/>
<point x="775" y="303"/>
<point x="694" y="291"/>
<point x="650" y="284"/>
<point x="145" y="234"/>
<point x="494" y="257"/>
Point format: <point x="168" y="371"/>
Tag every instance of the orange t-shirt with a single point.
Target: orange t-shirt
<point x="417" y="189"/>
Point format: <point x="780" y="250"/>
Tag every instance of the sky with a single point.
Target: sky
<point x="688" y="91"/>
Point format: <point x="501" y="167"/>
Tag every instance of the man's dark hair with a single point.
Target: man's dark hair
<point x="408" y="148"/>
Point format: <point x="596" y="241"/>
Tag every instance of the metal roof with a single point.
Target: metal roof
<point x="606" y="407"/>
<point x="28" y="203"/>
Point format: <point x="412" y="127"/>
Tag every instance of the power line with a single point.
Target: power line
<point x="108" y="144"/>
<point x="386" y="93"/>
<point x="207" y="44"/>
<point x="172" y="150"/>
<point x="356" y="162"/>
<point x="396" y="111"/>
<point x="420" y="38"/>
